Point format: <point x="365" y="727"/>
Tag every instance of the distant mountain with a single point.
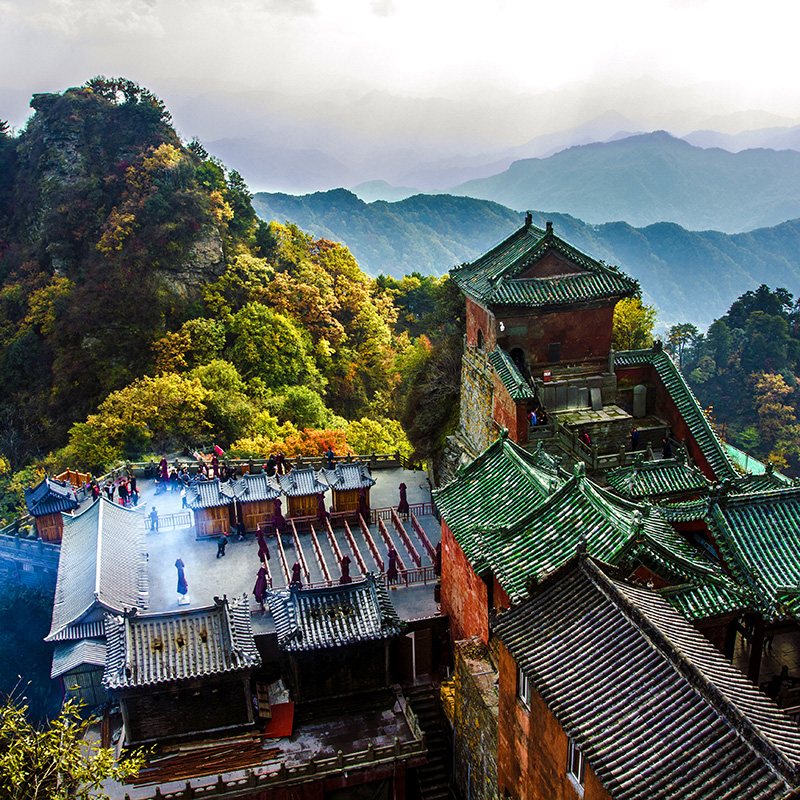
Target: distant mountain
<point x="370" y="191"/>
<point x="689" y="276"/>
<point x="651" y="178"/>
<point x="787" y="138"/>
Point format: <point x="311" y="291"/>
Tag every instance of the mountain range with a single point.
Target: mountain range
<point x="689" y="276"/>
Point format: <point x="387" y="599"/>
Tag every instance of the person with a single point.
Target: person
<point x="363" y="507"/>
<point x="183" y="496"/>
<point x="437" y="564"/>
<point x="95" y="491"/>
<point x="173" y="480"/>
<point x="221" y="542"/>
<point x="402" y="506"/>
<point x="133" y="489"/>
<point x="154" y="519"/>
<point x="278" y="520"/>
<point x="666" y="448"/>
<point x="260" y="589"/>
<point x="183" y="586"/>
<point x="240" y="530"/>
<point x="296" y="575"/>
<point x="270" y="465"/>
<point x="587" y="440"/>
<point x="533" y="419"/>
<point x="391" y="570"/>
<point x="634" y="439"/>
<point x="345" y="564"/>
<point x="263" y="549"/>
<point x="280" y="463"/>
<point x="543" y="416"/>
<point x="322" y="513"/>
<point x="123" y="493"/>
<point x="330" y="457"/>
<point x="163" y="468"/>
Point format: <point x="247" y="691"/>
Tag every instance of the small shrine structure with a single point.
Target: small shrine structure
<point x="46" y="503"/>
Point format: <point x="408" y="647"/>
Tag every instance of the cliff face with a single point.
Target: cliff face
<point x="109" y="229"/>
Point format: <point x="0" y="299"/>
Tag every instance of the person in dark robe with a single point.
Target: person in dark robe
<point x="221" y="543"/>
<point x="263" y="550"/>
<point x="270" y="465"/>
<point x="240" y="530"/>
<point x="391" y="570"/>
<point x="278" y="519"/>
<point x="363" y="508"/>
<point x="163" y="469"/>
<point x="260" y="589"/>
<point x="280" y="463"/>
<point x="666" y="448"/>
<point x="330" y="457"/>
<point x="183" y="586"/>
<point x="123" y="493"/>
<point x="437" y="562"/>
<point x="296" y="581"/>
<point x="634" y="439"/>
<point x="215" y="465"/>
<point x="345" y="564"/>
<point x="322" y="514"/>
<point x="402" y="506"/>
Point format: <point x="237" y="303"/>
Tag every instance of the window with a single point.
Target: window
<point x="523" y="688"/>
<point x="480" y="339"/>
<point x="576" y="766"/>
<point x="554" y="352"/>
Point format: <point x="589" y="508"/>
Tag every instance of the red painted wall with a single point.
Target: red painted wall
<point x="478" y="318"/>
<point x="532" y="746"/>
<point x="465" y="599"/>
<point x="508" y="413"/>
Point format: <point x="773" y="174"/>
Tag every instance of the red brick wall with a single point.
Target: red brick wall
<point x="465" y="599"/>
<point x="532" y="746"/>
<point x="583" y="334"/>
<point x="478" y="318"/>
<point x="508" y="413"/>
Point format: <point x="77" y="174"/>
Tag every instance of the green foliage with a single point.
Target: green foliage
<point x="377" y="436"/>
<point x="56" y="762"/>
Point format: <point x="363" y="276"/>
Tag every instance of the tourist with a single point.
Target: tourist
<point x="221" y="543"/>
<point x="153" y="519"/>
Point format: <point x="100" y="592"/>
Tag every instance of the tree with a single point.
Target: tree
<point x="56" y="763"/>
<point x="633" y="324"/>
<point x="681" y="336"/>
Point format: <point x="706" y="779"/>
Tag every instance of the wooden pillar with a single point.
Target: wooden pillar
<point x="757" y="642"/>
<point x="729" y="647"/>
<point x="399" y="780"/>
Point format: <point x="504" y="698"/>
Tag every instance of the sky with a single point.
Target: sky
<point x="439" y="76"/>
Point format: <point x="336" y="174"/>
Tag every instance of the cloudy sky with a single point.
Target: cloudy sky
<point x="465" y="75"/>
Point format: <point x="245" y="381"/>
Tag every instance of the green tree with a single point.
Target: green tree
<point x="633" y="324"/>
<point x="679" y="337"/>
<point x="56" y="762"/>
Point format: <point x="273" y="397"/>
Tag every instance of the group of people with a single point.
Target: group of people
<point x="125" y="489"/>
<point x="276" y="464"/>
<point x="538" y="416"/>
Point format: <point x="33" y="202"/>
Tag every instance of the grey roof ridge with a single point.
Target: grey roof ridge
<point x="682" y="663"/>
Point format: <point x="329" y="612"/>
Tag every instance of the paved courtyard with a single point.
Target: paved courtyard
<point x="235" y="573"/>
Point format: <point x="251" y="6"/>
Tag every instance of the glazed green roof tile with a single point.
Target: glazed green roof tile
<point x="614" y="530"/>
<point x="759" y="537"/>
<point x="690" y="511"/>
<point x="704" y="600"/>
<point x="687" y="404"/>
<point x="657" y="479"/>
<point x="493" y="278"/>
<point x="511" y="377"/>
<point x="503" y="484"/>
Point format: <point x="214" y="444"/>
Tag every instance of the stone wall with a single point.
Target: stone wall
<point x="476" y="414"/>
<point x="475" y="722"/>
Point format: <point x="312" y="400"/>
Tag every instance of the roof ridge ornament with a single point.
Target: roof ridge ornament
<point x="528" y="219"/>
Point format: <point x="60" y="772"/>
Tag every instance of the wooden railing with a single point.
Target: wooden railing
<point x="401" y="532"/>
<point x="423" y="537"/>
<point x="405" y="577"/>
<point x="312" y="770"/>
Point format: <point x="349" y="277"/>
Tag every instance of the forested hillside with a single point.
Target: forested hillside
<point x="744" y="370"/>
<point x="685" y="274"/>
<point x="144" y="307"/>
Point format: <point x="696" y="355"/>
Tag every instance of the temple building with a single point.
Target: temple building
<point x="182" y="672"/>
<point x="102" y="569"/>
<point x="256" y="495"/>
<point x="46" y="503"/>
<point x="301" y="487"/>
<point x="346" y="480"/>
<point x="213" y="505"/>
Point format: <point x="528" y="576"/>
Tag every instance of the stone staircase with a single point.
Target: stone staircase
<point x="434" y="776"/>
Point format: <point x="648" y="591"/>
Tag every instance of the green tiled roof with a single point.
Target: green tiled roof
<point x="511" y="377"/>
<point x="687" y="404"/>
<point x="501" y="485"/>
<point x="759" y="537"/>
<point x="703" y="600"/>
<point x="492" y="278"/>
<point x="657" y="479"/>
<point x="690" y="511"/>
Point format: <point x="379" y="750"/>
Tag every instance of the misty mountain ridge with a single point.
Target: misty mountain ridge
<point x="651" y="178"/>
<point x="688" y="275"/>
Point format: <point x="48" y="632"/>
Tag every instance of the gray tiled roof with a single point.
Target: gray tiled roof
<point x="312" y="619"/>
<point x="69" y="655"/>
<point x="346" y="476"/>
<point x="102" y="565"/>
<point x="49" y="497"/>
<point x="657" y="712"/>
<point x="256" y="487"/>
<point x="302" y="482"/>
<point x="150" y="649"/>
<point x="209" y="494"/>
<point x="86" y="630"/>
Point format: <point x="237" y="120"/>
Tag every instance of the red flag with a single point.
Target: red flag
<point x="218" y="450"/>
